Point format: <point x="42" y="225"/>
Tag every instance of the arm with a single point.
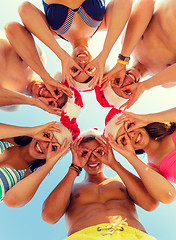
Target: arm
<point x="117" y="15"/>
<point x="134" y="185"/>
<point x="164" y="77"/>
<point x="135" y="28"/>
<point x="9" y="131"/>
<point x="154" y="183"/>
<point x="58" y="201"/>
<point x="40" y="28"/>
<point x="23" y="191"/>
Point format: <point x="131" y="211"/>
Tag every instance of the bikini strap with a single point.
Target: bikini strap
<point x="153" y="165"/>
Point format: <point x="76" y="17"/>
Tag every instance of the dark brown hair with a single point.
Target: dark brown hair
<point x="158" y="130"/>
<point x="23" y="141"/>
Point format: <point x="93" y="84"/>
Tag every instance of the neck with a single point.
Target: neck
<point x="25" y="155"/>
<point x="79" y="42"/>
<point x="98" y="178"/>
<point x="152" y="148"/>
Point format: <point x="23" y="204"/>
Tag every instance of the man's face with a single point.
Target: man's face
<point x="40" y="90"/>
<point x="94" y="164"/>
<point x="127" y="81"/>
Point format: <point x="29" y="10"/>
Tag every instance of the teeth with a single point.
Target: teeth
<point x="38" y="148"/>
<point x="93" y="165"/>
<point x="138" y="138"/>
<point x="82" y="55"/>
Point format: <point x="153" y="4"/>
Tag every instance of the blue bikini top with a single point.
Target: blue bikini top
<point x="60" y="17"/>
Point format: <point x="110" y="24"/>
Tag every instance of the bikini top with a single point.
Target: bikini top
<point x="9" y="176"/>
<point x="60" y="17"/>
<point x="167" y="166"/>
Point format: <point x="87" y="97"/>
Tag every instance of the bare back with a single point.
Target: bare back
<point x="107" y="202"/>
<point x="157" y="47"/>
<point x="15" y="74"/>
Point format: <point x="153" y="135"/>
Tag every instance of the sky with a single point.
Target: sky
<point x="26" y="223"/>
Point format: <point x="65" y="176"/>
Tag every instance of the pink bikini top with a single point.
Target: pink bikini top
<point x="167" y="166"/>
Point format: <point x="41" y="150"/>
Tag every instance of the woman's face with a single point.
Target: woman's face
<point x="38" y="149"/>
<point x="139" y="137"/>
<point x="82" y="57"/>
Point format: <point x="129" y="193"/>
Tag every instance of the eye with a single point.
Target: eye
<point x="84" y="154"/>
<point x="123" y="139"/>
<point x="75" y="70"/>
<point x="129" y="125"/>
<point x="100" y="152"/>
<point x="54" y="147"/>
<point x="47" y="135"/>
<point x="116" y="81"/>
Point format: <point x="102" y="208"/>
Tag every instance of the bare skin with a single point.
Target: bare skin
<point x="97" y="199"/>
<point x="39" y="27"/>
<point x="155" y="53"/>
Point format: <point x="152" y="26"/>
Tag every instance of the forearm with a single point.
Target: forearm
<point x="168" y="75"/>
<point x="27" y="50"/>
<point x="56" y="204"/>
<point x="119" y="16"/>
<point x="155" y="183"/>
<point x="136" y="188"/>
<point x="8" y="97"/>
<point x="137" y="25"/>
<point x="22" y="192"/>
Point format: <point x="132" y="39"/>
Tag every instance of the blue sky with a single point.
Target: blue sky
<point x="26" y="222"/>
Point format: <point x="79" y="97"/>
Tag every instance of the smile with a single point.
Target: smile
<point x="38" y="148"/>
<point x="82" y="54"/>
<point x="40" y="91"/>
<point x="139" y="138"/>
<point x="93" y="165"/>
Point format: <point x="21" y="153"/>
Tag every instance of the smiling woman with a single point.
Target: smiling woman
<point x="20" y="156"/>
<point x="138" y="134"/>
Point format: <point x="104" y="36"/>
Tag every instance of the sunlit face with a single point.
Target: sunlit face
<point x="82" y="57"/>
<point x="114" y="84"/>
<point x="94" y="164"/>
<point x="139" y="137"/>
<point x="40" y="90"/>
<point x="38" y="149"/>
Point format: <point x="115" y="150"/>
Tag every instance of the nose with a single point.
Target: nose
<point x="92" y="157"/>
<point x="131" y="135"/>
<point x="82" y="63"/>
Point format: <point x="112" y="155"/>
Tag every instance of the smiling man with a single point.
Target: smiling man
<point x="99" y="207"/>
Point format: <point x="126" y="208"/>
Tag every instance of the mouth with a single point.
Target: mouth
<point x="138" y="139"/>
<point x="38" y="148"/>
<point x="93" y="165"/>
<point x="82" y="54"/>
<point x="40" y="91"/>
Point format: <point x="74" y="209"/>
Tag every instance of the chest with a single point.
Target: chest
<point x="167" y="147"/>
<point x="157" y="47"/>
<point x="15" y="75"/>
<point x="101" y="193"/>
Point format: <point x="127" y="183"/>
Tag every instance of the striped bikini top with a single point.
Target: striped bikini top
<point x="8" y="176"/>
<point x="60" y="17"/>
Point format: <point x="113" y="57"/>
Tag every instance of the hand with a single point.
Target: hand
<point x="56" y="151"/>
<point x="136" y="90"/>
<point x="122" y="146"/>
<point x="97" y="66"/>
<point x="68" y="69"/>
<point x="53" y="85"/>
<point x="104" y="152"/>
<point x="117" y="72"/>
<point x="133" y="121"/>
<point x="80" y="156"/>
<point x="44" y="132"/>
<point x="48" y="104"/>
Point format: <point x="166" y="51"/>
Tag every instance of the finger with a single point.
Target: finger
<point x="72" y="81"/>
<point x="78" y="67"/>
<point x="100" y="80"/>
<point x="64" y="143"/>
<point x="101" y="142"/>
<point x="94" y="82"/>
<point x="104" y="85"/>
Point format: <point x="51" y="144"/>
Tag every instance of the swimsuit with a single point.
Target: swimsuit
<point x="109" y="231"/>
<point x="9" y="176"/>
<point x="60" y="17"/>
<point x="167" y="166"/>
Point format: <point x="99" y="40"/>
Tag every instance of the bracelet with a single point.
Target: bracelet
<point x="122" y="62"/>
<point x="123" y="58"/>
<point x="76" y="168"/>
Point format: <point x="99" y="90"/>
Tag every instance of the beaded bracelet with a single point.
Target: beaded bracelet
<point x="123" y="60"/>
<point x="76" y="168"/>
